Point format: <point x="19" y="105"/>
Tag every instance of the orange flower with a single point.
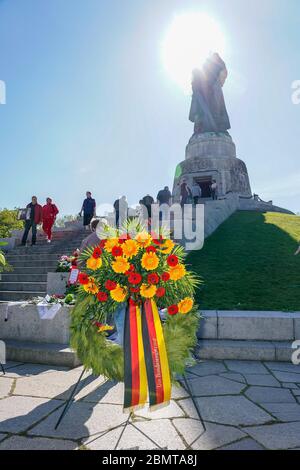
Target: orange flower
<point x="186" y="305"/>
<point x="118" y="294"/>
<point x="120" y="265"/>
<point x="148" y="291"/>
<point x="130" y="248"/>
<point x="94" y="263"/>
<point x="150" y="261"/>
<point x="167" y="246"/>
<point x="110" y="243"/>
<point x="177" y="272"/>
<point x="143" y="239"/>
<point x="91" y="287"/>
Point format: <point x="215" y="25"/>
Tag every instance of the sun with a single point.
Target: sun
<point x="187" y="43"/>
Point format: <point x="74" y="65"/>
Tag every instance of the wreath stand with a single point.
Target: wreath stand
<point x="182" y="381"/>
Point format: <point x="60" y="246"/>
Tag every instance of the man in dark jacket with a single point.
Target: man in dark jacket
<point x="88" y="209"/>
<point x="121" y="211"/>
<point x="147" y="201"/>
<point x="33" y="218"/>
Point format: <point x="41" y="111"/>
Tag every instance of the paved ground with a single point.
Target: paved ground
<point x="244" y="405"/>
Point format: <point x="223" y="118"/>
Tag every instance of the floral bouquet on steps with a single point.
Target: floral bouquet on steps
<point x="135" y="319"/>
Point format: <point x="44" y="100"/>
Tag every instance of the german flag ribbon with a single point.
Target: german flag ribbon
<point x="146" y="366"/>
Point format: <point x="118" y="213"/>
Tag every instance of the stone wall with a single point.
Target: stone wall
<point x="24" y="324"/>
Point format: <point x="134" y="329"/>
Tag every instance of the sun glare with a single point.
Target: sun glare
<point x="187" y="43"/>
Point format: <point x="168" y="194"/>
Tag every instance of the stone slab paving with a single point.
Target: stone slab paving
<point x="5" y="387"/>
<point x="244" y="405"/>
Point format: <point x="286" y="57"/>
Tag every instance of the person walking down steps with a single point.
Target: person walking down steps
<point x="33" y="218"/>
<point x="50" y="212"/>
<point x="89" y="210"/>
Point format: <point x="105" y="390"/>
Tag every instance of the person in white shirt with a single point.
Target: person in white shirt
<point x="196" y="192"/>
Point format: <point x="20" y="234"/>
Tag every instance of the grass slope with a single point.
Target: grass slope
<point x="249" y="264"/>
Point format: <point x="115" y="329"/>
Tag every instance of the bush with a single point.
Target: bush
<point x="9" y="222"/>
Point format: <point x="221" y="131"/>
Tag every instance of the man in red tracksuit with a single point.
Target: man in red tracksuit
<point x="50" y="212"/>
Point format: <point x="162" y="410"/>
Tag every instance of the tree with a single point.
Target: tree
<point x="9" y="221"/>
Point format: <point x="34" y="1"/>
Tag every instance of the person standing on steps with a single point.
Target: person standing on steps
<point x="185" y="193"/>
<point x="34" y="215"/>
<point x="214" y="190"/>
<point x="147" y="202"/>
<point x="50" y="212"/>
<point x="196" y="193"/>
<point x="164" y="199"/>
<point x="88" y="209"/>
<point x="121" y="211"/>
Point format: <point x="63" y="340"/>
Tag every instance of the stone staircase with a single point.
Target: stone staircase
<point x="32" y="263"/>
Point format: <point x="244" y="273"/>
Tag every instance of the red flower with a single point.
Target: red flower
<point x="102" y="243"/>
<point x="97" y="252"/>
<point x="172" y="260"/>
<point x="153" y="278"/>
<point x="134" y="278"/>
<point x="117" y="251"/>
<point x="83" y="278"/>
<point x="151" y="249"/>
<point x="132" y="268"/>
<point x="102" y="296"/>
<point x="173" y="309"/>
<point x="160" y="292"/>
<point x="110" y="285"/>
<point x="134" y="290"/>
<point x="165" y="276"/>
<point x="157" y="239"/>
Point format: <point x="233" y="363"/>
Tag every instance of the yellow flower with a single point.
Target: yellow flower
<point x="120" y="265"/>
<point x="130" y="248"/>
<point x="177" y="272"/>
<point x="105" y="328"/>
<point x="150" y="261"/>
<point x="167" y="246"/>
<point x="186" y="305"/>
<point x="94" y="263"/>
<point x="143" y="238"/>
<point x="119" y="293"/>
<point x="148" y="291"/>
<point x="110" y="243"/>
<point x="91" y="287"/>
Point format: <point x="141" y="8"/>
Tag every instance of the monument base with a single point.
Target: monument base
<point x="212" y="157"/>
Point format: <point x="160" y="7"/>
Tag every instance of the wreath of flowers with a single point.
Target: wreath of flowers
<point x="132" y="265"/>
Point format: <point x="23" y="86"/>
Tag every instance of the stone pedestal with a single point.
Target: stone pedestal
<point x="213" y="157"/>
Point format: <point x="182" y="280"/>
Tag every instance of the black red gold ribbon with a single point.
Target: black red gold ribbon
<point x="146" y="364"/>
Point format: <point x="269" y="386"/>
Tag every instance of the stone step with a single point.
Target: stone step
<point x="64" y="250"/>
<point x="33" y="270"/>
<point x="13" y="277"/>
<point x="245" y="350"/>
<point x="46" y="247"/>
<point x="11" y="296"/>
<point x="41" y="353"/>
<point x="23" y="286"/>
<point x="12" y="258"/>
<point x="35" y="264"/>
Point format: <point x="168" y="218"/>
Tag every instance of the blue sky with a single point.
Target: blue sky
<point x="91" y="107"/>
